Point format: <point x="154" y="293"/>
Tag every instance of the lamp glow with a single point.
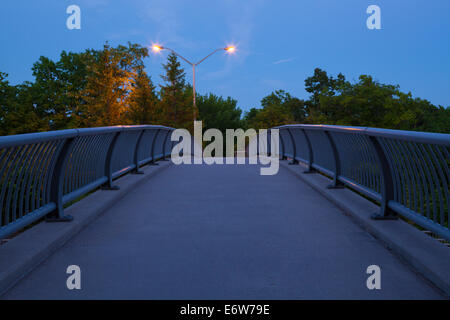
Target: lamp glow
<point x="157" y="48"/>
<point x="230" y="49"/>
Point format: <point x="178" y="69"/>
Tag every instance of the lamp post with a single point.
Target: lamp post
<point x="229" y="49"/>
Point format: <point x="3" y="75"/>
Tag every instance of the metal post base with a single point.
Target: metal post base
<point x="293" y="162"/>
<point x="137" y="172"/>
<point x="66" y="218"/>
<point x="335" y="186"/>
<point x="110" y="188"/>
<point x="378" y="216"/>
<point x="153" y="164"/>
<point x="309" y="171"/>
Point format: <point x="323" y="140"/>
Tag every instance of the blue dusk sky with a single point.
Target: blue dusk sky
<point x="279" y="43"/>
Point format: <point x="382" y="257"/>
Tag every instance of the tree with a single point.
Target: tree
<point x="217" y="112"/>
<point x="18" y="111"/>
<point x="176" y="97"/>
<point x="57" y="85"/>
<point x="249" y="118"/>
<point x="321" y="87"/>
<point x="110" y="81"/>
<point x="370" y="103"/>
<point x="278" y="108"/>
<point x="7" y="93"/>
<point x="143" y="101"/>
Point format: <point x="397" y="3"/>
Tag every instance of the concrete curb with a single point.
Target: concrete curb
<point x="427" y="256"/>
<point x="32" y="247"/>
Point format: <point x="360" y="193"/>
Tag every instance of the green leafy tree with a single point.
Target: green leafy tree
<point x="7" y="95"/>
<point x="217" y="112"/>
<point x="278" y="108"/>
<point x="369" y="103"/>
<point x="57" y="85"/>
<point x="249" y="117"/>
<point x="18" y="111"/>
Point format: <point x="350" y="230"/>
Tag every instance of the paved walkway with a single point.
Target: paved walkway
<point x="223" y="232"/>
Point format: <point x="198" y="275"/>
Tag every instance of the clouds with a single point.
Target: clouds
<point x="166" y="20"/>
<point x="284" y="60"/>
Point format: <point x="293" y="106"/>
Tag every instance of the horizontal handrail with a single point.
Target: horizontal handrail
<point x="417" y="136"/>
<point x="407" y="172"/>
<point x="40" y="173"/>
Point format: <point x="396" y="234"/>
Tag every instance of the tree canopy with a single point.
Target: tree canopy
<point x="110" y="86"/>
<point x="336" y="101"/>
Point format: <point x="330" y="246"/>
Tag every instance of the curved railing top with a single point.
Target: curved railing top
<point x="416" y="136"/>
<point x="42" y="172"/>
<point x="27" y="138"/>
<point x="407" y="172"/>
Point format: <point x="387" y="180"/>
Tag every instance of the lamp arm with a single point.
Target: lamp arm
<point x="179" y="55"/>
<point x="209" y="55"/>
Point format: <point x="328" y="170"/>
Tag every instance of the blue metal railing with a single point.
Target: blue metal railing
<point x="406" y="172"/>
<point x="42" y="172"/>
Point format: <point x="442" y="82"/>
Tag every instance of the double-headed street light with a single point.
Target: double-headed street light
<point x="158" y="48"/>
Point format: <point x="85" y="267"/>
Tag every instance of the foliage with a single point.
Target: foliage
<point x="217" y="112"/>
<point x="111" y="80"/>
<point x="278" y="108"/>
<point x="110" y="87"/>
<point x="336" y="101"/>
<point x="175" y="106"/>
<point x="143" y="101"/>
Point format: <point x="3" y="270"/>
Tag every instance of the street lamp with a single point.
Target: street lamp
<point x="158" y="48"/>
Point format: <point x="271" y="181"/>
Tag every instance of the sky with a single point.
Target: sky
<point x="279" y="42"/>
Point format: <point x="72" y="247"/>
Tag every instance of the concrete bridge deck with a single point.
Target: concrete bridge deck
<point x="223" y="232"/>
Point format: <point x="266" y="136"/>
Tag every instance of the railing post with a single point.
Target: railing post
<point x="283" y="156"/>
<point x="57" y="181"/>
<point x="294" y="149"/>
<point x="108" y="164"/>
<point x="164" y="146"/>
<point x="336" y="184"/>
<point x="136" y="154"/>
<point x="269" y="142"/>
<point x="310" y="154"/>
<point x="387" y="191"/>
<point x="153" y="163"/>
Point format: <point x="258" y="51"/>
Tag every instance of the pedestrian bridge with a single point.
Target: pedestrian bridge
<point x="225" y="231"/>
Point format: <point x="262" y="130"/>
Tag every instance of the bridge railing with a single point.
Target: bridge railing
<point x="406" y="172"/>
<point x="40" y="173"/>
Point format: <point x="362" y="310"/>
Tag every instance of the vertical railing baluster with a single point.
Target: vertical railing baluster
<point x="387" y="187"/>
<point x="164" y="146"/>
<point x="136" y="154"/>
<point x="283" y="149"/>
<point x="108" y="164"/>
<point x="153" y="162"/>
<point x="57" y="180"/>
<point x="336" y="184"/>
<point x="310" y="154"/>
<point x="294" y="148"/>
